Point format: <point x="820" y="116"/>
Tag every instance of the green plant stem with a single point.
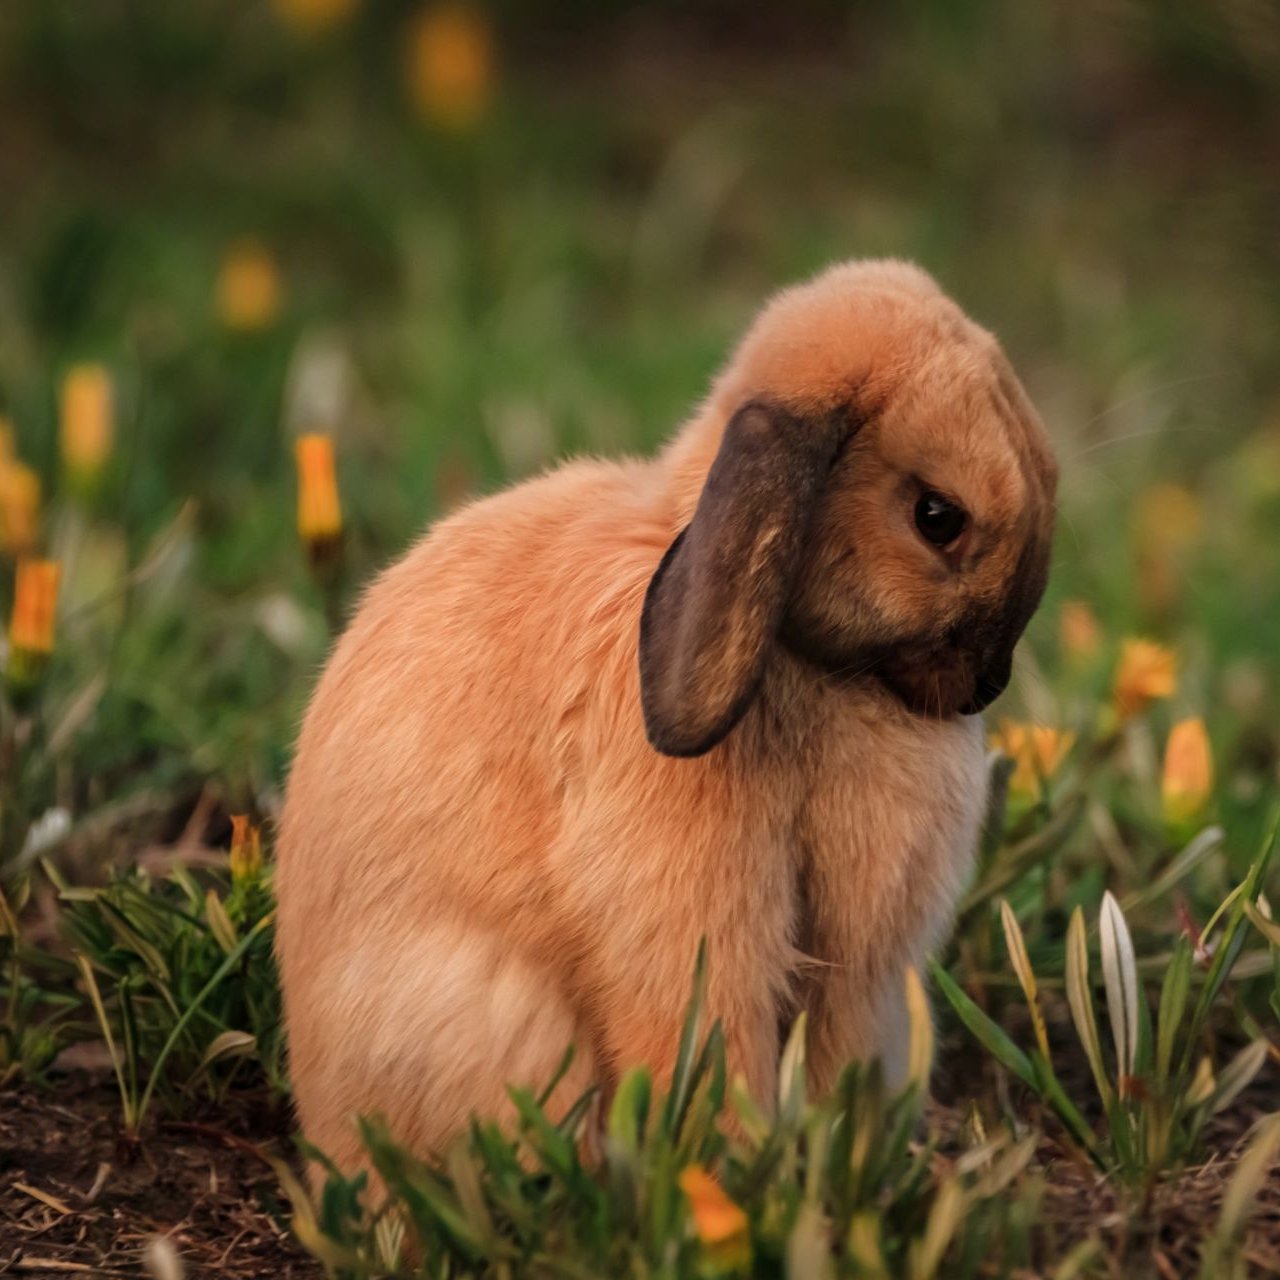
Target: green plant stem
<point x="224" y="968"/>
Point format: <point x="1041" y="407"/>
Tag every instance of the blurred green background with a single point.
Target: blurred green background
<point x="466" y="241"/>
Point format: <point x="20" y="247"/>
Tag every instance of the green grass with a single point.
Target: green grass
<point x="461" y="309"/>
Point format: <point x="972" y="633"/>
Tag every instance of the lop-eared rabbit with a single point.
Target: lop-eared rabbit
<point x="729" y="692"/>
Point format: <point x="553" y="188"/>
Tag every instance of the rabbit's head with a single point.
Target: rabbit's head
<point x="869" y="486"/>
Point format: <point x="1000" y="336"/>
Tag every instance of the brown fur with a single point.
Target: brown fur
<point x="482" y="858"/>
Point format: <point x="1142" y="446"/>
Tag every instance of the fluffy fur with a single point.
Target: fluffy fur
<point x="483" y="858"/>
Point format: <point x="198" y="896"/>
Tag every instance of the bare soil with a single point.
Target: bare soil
<point x="75" y="1200"/>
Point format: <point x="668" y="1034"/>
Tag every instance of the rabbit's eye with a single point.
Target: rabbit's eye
<point x="939" y="520"/>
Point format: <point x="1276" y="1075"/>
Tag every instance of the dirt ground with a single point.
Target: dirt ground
<point x="72" y="1201"/>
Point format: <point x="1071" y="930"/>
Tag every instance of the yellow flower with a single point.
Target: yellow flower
<point x="721" y="1225"/>
<point x="1188" y="772"/>
<point x="87" y="421"/>
<point x="1146" y="671"/>
<point x="310" y="16"/>
<point x="1037" y="752"/>
<point x="1080" y="633"/>
<point x="19" y="507"/>
<point x="246" y="848"/>
<point x="35" y="606"/>
<point x="319" y="512"/>
<point x="248" y="289"/>
<point x="450" y="65"/>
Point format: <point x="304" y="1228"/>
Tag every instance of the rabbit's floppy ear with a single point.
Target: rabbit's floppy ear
<point x="717" y="599"/>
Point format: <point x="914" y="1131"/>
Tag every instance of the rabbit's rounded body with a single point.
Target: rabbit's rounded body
<point x="483" y="859"/>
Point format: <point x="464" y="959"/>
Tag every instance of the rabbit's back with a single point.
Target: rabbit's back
<point x="426" y="764"/>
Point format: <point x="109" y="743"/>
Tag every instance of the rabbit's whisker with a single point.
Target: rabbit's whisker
<point x="1138" y="435"/>
<point x="1149" y="393"/>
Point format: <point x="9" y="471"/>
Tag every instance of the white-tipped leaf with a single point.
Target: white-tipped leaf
<point x="791" y="1082"/>
<point x="1120" y="972"/>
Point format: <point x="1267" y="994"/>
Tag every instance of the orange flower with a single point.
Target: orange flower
<point x="1187" y="778"/>
<point x="312" y="16"/>
<point x="87" y="420"/>
<point x="246" y="848"/>
<point x="721" y="1225"/>
<point x="35" y="605"/>
<point x="1146" y="671"/>
<point x="450" y="65"/>
<point x="319" y="512"/>
<point x="1080" y="633"/>
<point x="248" y="290"/>
<point x="19" y="507"/>
<point x="1037" y="752"/>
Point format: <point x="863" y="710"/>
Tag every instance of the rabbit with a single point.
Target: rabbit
<point x="730" y="692"/>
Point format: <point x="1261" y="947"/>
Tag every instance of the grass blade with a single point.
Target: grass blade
<point x="1265" y="926"/>
<point x="1016" y="946"/>
<point x="808" y="1247"/>
<point x="945" y="1216"/>
<point x="682" y="1077"/>
<point x="1232" y="940"/>
<point x="1197" y="850"/>
<point x="992" y="1037"/>
<point x="629" y="1110"/>
<point x="1019" y="858"/>
<point x="1080" y="1002"/>
<point x="920" y="1050"/>
<point x="100" y="1010"/>
<point x="1238" y="1074"/>
<point x="1173" y="1005"/>
<point x="194" y="1007"/>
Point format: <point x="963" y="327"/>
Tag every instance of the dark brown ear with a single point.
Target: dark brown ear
<point x="716" y="601"/>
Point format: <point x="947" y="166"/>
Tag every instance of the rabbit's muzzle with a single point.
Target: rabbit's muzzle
<point x="929" y="681"/>
<point x="940" y="683"/>
<point x="965" y="673"/>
